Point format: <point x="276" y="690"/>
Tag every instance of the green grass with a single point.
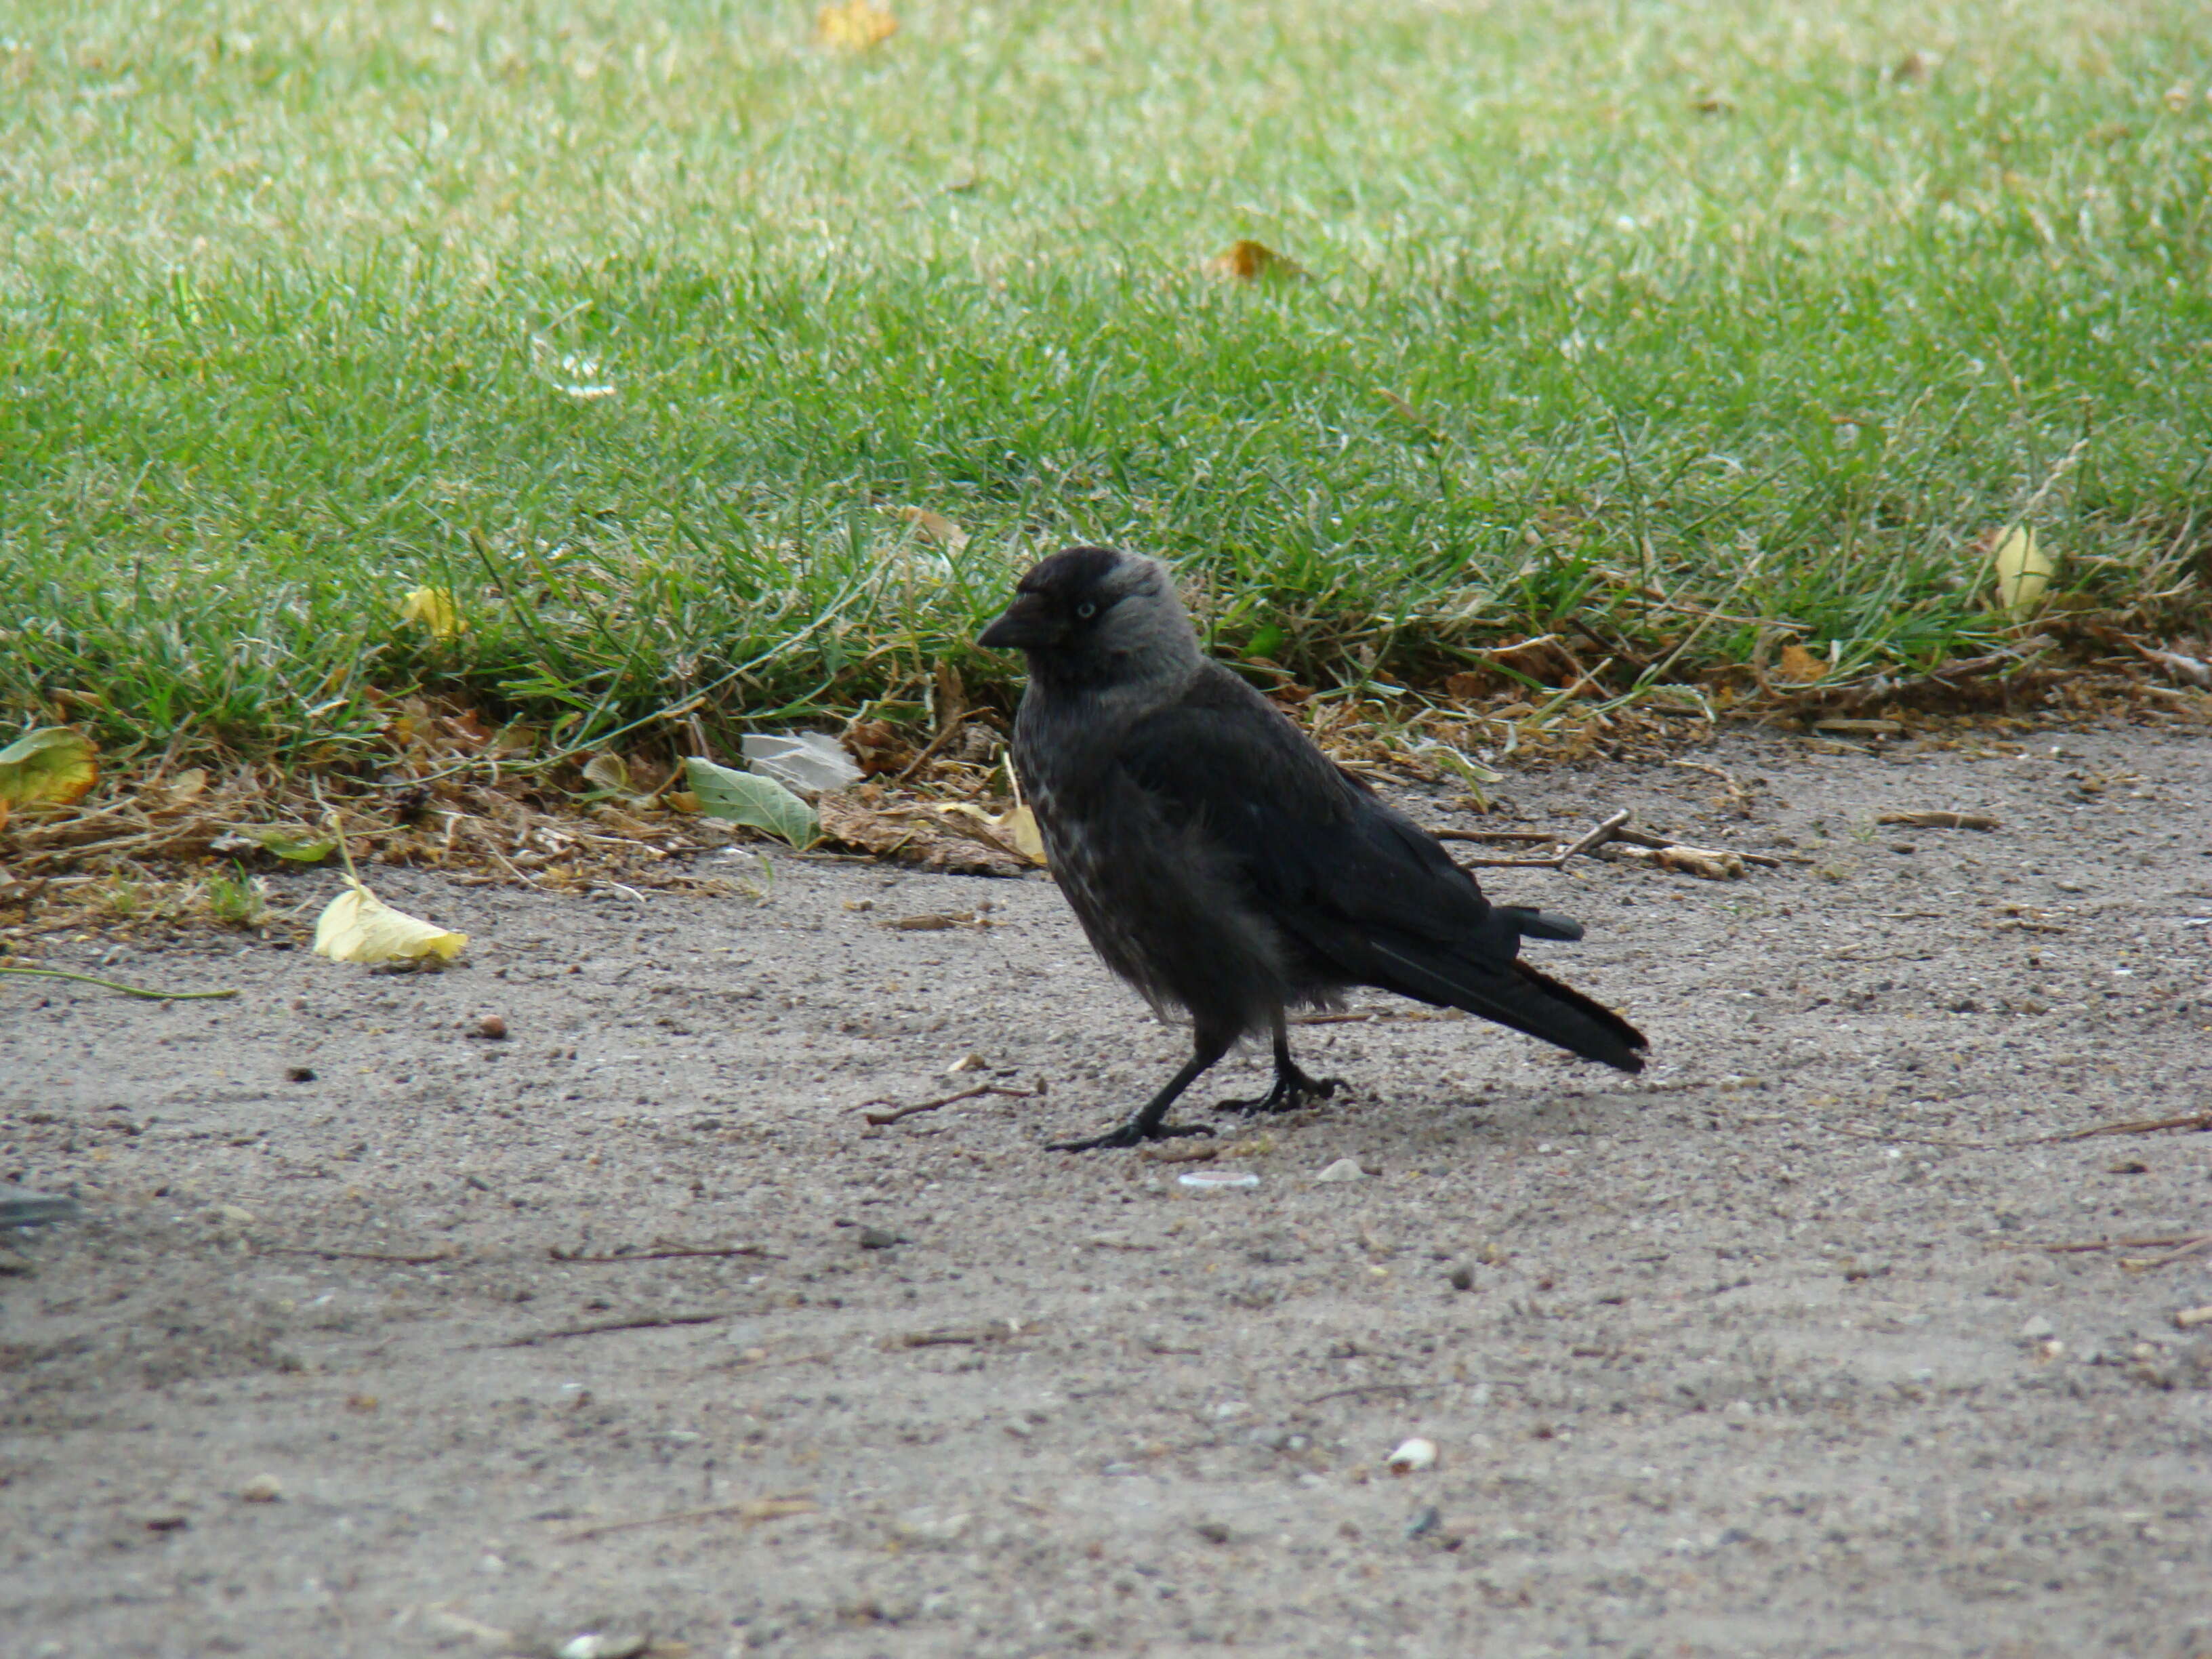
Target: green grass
<point x="1713" y="301"/>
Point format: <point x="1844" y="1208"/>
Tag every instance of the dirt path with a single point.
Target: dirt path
<point x="1753" y="1355"/>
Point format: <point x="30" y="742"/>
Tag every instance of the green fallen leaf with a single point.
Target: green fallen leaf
<point x="749" y="799"/>
<point x="285" y="845"/>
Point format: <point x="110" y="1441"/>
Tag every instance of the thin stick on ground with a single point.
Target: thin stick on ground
<point x="893" y="1114"/>
<point x="2196" y="1246"/>
<point x="444" y="1253"/>
<point x="753" y="1509"/>
<point x="1595" y="836"/>
<point x="2116" y="1244"/>
<point x="2149" y="1126"/>
<point x="671" y="1253"/>
<point x="644" y="1323"/>
<point x="112" y="985"/>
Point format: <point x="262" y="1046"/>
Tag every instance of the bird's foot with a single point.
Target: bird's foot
<point x="1132" y="1134"/>
<point x="1292" y="1090"/>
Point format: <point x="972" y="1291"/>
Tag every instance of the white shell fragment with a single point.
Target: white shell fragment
<point x="1207" y="1179"/>
<point x="1345" y="1168"/>
<point x="1412" y="1455"/>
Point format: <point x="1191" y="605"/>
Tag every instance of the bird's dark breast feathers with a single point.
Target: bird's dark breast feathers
<point x="1166" y="911"/>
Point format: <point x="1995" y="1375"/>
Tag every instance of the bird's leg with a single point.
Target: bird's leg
<point x="1293" y="1088"/>
<point x="1146" y="1125"/>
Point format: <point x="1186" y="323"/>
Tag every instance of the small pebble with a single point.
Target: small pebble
<point x="1463" y="1278"/>
<point x="878" y="1238"/>
<point x="1345" y="1168"/>
<point x="262" y="1489"/>
<point x="2036" y="1329"/>
<point x="1412" y="1455"/>
<point x="299" y="1074"/>
<point x="1213" y="1532"/>
<point x="492" y="1028"/>
<point x="593" y="1645"/>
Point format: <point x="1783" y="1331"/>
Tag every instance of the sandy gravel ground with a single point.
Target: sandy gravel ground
<point x="1756" y="1354"/>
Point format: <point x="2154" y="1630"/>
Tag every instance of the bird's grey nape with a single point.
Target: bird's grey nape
<point x="1148" y="627"/>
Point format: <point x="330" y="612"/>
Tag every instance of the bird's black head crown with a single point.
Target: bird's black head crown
<point x="1096" y="612"/>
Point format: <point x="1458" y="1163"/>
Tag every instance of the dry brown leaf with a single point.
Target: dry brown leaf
<point x="2188" y="670"/>
<point x="877" y="747"/>
<point x="936" y="527"/>
<point x="1248" y="261"/>
<point x="913" y="837"/>
<point x="1011" y="831"/>
<point x="854" y="26"/>
<point x="1799" y="666"/>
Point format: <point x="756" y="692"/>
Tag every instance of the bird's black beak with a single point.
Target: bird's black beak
<point x="1028" y="623"/>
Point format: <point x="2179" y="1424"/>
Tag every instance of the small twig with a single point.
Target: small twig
<point x="111" y="985"/>
<point x="1372" y="1388"/>
<point x="999" y="1330"/>
<point x="895" y="1113"/>
<point x="2117" y="1244"/>
<point x="647" y="1323"/>
<point x="2141" y="1264"/>
<point x="671" y="1254"/>
<point x="1541" y="835"/>
<point x="446" y="1253"/>
<point x="753" y="1509"/>
<point x="2141" y="1127"/>
<point x="1887" y="1137"/>
<point x="782" y="1359"/>
<point x="1940" y="820"/>
<point x="943" y="736"/>
<point x="1596" y="835"/>
<point x="1197" y="1152"/>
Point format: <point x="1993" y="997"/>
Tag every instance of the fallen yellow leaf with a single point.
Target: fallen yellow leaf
<point x="53" y="763"/>
<point x="1248" y="262"/>
<point x="435" y="609"/>
<point x="358" y="926"/>
<point x="854" y="26"/>
<point x="2024" y="570"/>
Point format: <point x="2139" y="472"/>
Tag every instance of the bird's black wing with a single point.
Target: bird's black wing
<point x="1369" y="896"/>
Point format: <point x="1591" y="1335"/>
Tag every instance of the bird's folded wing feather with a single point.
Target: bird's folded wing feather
<point x="1363" y="889"/>
<point x="1319" y="851"/>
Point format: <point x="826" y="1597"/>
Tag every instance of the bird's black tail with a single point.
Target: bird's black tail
<point x="1520" y="997"/>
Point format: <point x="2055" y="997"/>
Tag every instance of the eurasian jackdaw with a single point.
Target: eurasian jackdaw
<point x="1221" y="863"/>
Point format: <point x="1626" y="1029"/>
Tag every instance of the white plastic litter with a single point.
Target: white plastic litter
<point x="801" y="759"/>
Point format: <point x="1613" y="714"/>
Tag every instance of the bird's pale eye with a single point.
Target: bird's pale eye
<point x="1086" y="610"/>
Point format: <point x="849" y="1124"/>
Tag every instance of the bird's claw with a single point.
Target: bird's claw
<point x="1292" y="1090"/>
<point x="1129" y="1134"/>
